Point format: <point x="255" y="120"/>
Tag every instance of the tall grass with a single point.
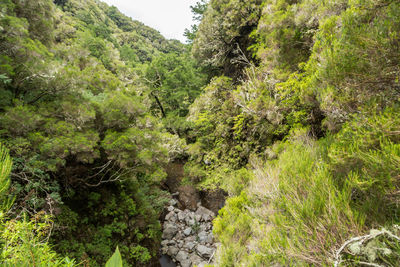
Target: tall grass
<point x="299" y="209"/>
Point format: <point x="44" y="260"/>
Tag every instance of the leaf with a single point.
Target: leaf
<point x="115" y="260"/>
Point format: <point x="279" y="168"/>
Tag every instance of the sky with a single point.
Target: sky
<point x="169" y="17"/>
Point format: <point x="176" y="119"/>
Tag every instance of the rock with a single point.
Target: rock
<point x="195" y="259"/>
<point x="190" y="238"/>
<point x="181" y="216"/>
<point x="170" y="216"/>
<point x="202" y="264"/>
<point x="189" y="221"/>
<point x="187" y="231"/>
<point x="171" y="242"/>
<point x="203" y="236"/>
<point x="169" y="231"/>
<point x="209" y="239"/>
<point x="186" y="263"/>
<point x="181" y="256"/>
<point x="205" y="214"/>
<point x="172" y="202"/>
<point x="189" y="245"/>
<point x="164" y="250"/>
<point x="175" y="194"/>
<point x="204" y="251"/>
<point x="189" y="196"/>
<point x="170" y="208"/>
<point x="164" y="243"/>
<point x="213" y="200"/>
<point x="197" y="217"/>
<point x="179" y="236"/>
<point x="172" y="251"/>
<point x="203" y="227"/>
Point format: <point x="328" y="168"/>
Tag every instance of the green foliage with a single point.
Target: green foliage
<point x="223" y="34"/>
<point x="350" y="67"/>
<point x="115" y="260"/>
<point x="198" y="11"/>
<point x="365" y="157"/>
<point x="345" y="184"/>
<point x="76" y="114"/>
<point x="306" y="142"/>
<point x="175" y="81"/>
<point x="39" y="15"/>
<point x="125" y="215"/>
<point x="25" y="243"/>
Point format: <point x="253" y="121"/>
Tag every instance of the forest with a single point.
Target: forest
<point x="287" y="109"/>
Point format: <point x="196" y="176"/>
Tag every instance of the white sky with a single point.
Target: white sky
<point x="170" y="17"/>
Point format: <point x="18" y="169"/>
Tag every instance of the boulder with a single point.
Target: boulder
<point x="169" y="231"/>
<point x="190" y="238"/>
<point x="204" y="251"/>
<point x="181" y="256"/>
<point x="186" y="263"/>
<point x="206" y="215"/>
<point x="189" y="197"/>
<point x="189" y="245"/>
<point x="197" y="217"/>
<point x="171" y="216"/>
<point x="181" y="216"/>
<point x="195" y="259"/>
<point x="203" y="236"/>
<point x="209" y="239"/>
<point x="172" y="251"/>
<point x="172" y="202"/>
<point x="187" y="231"/>
<point x="170" y="208"/>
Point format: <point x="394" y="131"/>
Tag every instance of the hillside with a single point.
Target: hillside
<point x="80" y="114"/>
<point x="285" y="111"/>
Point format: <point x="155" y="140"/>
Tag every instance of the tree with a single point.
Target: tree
<point x="198" y="11"/>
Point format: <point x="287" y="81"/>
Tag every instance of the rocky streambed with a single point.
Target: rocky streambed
<point x="187" y="235"/>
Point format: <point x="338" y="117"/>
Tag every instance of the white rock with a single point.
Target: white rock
<point x="187" y="231"/>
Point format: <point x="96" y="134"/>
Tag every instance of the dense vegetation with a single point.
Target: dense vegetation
<point x="301" y="129"/>
<point x="81" y="91"/>
<point x="291" y="107"/>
